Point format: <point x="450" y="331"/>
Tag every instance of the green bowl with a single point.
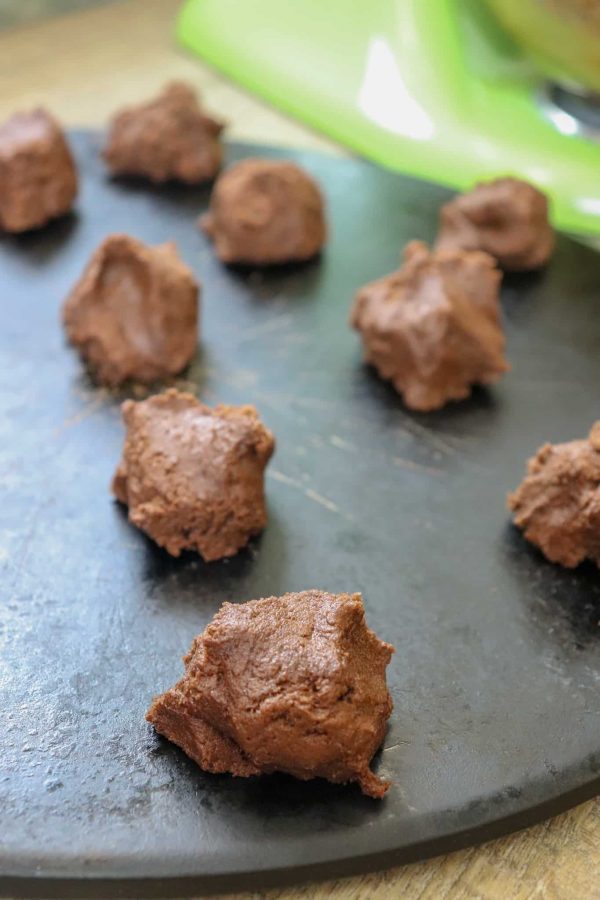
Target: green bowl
<point x="562" y="36"/>
<point x="432" y="88"/>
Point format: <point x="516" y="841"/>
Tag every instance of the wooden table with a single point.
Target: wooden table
<point x="83" y="66"/>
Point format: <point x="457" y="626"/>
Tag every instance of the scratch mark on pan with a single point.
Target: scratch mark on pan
<point x="310" y="493"/>
<point x="88" y="410"/>
<point x="303" y="400"/>
<point x="265" y="328"/>
<point x="319" y="498"/>
<point x="285" y="479"/>
<point x="23" y="550"/>
<point x="430" y="437"/>
<point x="240" y="379"/>
<point x="394" y="746"/>
<point x="415" y="467"/>
<point x="280" y="405"/>
<point x="341" y="443"/>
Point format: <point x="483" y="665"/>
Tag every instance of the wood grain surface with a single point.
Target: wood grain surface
<point x="83" y="66"/>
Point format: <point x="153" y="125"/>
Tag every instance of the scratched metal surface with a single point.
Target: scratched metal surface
<point x="497" y="672"/>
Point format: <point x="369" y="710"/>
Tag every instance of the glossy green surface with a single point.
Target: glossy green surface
<point x="428" y="87"/>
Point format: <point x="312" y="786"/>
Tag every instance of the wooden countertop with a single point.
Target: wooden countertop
<point x="84" y="65"/>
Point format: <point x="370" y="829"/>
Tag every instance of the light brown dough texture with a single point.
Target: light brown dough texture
<point x="133" y="314"/>
<point x="264" y="212"/>
<point x="38" y="178"/>
<point x="557" y="505"/>
<point x="290" y="684"/>
<point x="507" y="218"/>
<point x="192" y="476"/>
<point x="433" y="327"/>
<point x="168" y="138"/>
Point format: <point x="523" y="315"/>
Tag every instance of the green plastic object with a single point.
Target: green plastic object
<point x="563" y="36"/>
<point x="432" y="88"/>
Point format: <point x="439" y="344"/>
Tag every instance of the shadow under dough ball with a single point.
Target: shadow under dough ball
<point x="133" y="314"/>
<point x="507" y="218"/>
<point x="265" y="212"/>
<point x="168" y="138"/>
<point x="193" y="477"/>
<point x="557" y="505"/>
<point x="433" y="327"/>
<point x="38" y="178"/>
<point x="290" y="684"/>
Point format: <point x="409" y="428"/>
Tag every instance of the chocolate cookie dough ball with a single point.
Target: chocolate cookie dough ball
<point x="38" y="178"/>
<point x="290" y="684"/>
<point x="192" y="476"/>
<point x="169" y="138"/>
<point x="264" y="212"/>
<point x="506" y="218"/>
<point x="433" y="327"/>
<point x="133" y="314"/>
<point x="557" y="505"/>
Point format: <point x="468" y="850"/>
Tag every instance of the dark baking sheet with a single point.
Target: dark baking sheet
<point x="497" y="671"/>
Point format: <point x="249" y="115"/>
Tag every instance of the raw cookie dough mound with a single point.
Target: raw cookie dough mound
<point x="290" y="684"/>
<point x="133" y="314"/>
<point x="557" y="505"/>
<point x="506" y="218"/>
<point x="264" y="212"/>
<point x="38" y="178"/>
<point x="433" y="327"/>
<point x="169" y="138"/>
<point x="192" y="476"/>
